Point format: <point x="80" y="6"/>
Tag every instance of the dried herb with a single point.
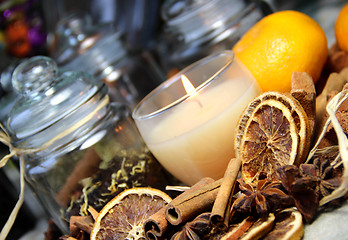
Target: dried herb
<point x="265" y="198"/>
<point x="194" y="230"/>
<point x="129" y="169"/>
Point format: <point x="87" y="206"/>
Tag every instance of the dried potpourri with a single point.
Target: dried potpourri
<point x="129" y="169"/>
<point x="319" y="177"/>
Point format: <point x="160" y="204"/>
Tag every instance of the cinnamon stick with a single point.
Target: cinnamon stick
<point x="337" y="59"/>
<point x="330" y="137"/>
<point x="150" y="235"/>
<point x="86" y="166"/>
<point x="221" y="209"/>
<point x="157" y="224"/>
<point x="334" y="84"/>
<point x="236" y="231"/>
<point x="78" y="223"/>
<point x="303" y="90"/>
<point x="184" y="207"/>
<point x="196" y="187"/>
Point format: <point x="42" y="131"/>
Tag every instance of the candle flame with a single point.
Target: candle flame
<point x="189" y="88"/>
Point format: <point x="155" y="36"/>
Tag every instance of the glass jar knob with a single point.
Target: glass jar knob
<point x="173" y="9"/>
<point x="34" y="75"/>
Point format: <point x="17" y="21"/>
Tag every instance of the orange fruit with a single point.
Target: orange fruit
<point x="341" y="29"/>
<point x="123" y="217"/>
<point x="280" y="44"/>
<point x="273" y="131"/>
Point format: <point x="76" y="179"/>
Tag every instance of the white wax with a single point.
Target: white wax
<point x="197" y="139"/>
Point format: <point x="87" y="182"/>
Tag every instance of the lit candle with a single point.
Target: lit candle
<point x="189" y="121"/>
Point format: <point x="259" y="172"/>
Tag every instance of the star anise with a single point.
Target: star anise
<point x="301" y="189"/>
<point x="261" y="200"/>
<point x="324" y="175"/>
<point x="194" y="230"/>
<point x="309" y="183"/>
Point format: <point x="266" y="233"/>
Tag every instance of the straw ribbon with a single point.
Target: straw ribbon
<point x="5" y="139"/>
<point x="331" y="108"/>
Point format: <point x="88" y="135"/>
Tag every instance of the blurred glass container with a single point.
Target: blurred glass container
<point x="23" y="26"/>
<point x="8" y="96"/>
<point x="86" y="150"/>
<point x="194" y="29"/>
<point x="99" y="49"/>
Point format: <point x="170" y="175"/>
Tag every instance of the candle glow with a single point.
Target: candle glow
<point x="193" y="140"/>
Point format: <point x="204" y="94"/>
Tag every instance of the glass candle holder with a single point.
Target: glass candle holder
<point x="191" y="133"/>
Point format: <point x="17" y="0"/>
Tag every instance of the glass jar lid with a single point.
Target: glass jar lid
<point x="73" y="36"/>
<point x="193" y="20"/>
<point x="50" y="102"/>
<point x="80" y="44"/>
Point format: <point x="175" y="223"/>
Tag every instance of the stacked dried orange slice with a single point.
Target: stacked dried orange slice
<point x="273" y="131"/>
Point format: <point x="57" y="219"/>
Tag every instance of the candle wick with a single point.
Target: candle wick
<point x="199" y="103"/>
<point x="196" y="100"/>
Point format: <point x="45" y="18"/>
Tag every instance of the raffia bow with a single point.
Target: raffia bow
<point x="5" y="139"/>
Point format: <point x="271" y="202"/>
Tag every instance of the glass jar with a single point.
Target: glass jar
<point x="85" y="150"/>
<point x="194" y="29"/>
<point x="100" y="51"/>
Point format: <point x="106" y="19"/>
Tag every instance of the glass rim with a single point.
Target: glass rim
<point x="176" y="77"/>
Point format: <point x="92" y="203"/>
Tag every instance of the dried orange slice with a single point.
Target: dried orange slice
<point x="260" y="228"/>
<point x="273" y="131"/>
<point x="288" y="225"/>
<point x="124" y="215"/>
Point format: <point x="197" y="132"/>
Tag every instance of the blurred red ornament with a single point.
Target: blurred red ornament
<point x="17" y="38"/>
